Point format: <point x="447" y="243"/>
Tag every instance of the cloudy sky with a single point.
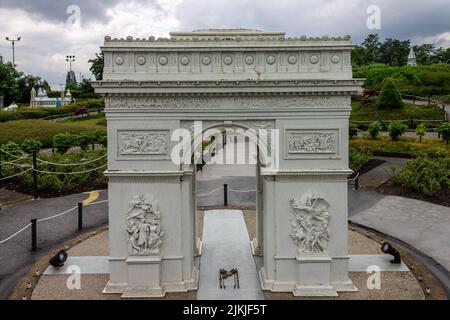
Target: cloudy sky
<point x="52" y="29"/>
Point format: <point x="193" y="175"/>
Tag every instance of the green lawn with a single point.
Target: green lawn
<point x="43" y="130"/>
<point x="362" y="112"/>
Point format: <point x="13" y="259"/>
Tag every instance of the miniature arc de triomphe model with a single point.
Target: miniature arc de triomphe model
<point x="248" y="79"/>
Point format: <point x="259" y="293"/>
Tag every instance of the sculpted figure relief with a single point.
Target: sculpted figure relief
<point x="311" y="224"/>
<point x="143" y="227"/>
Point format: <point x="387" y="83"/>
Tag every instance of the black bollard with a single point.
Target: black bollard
<point x="33" y="235"/>
<point x="225" y="195"/>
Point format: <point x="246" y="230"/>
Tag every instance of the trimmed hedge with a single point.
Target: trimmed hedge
<point x="407" y="146"/>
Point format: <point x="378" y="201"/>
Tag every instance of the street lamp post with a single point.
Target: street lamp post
<point x="70" y="59"/>
<point x="13" y="41"/>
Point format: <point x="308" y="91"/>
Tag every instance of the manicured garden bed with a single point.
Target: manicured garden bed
<point x="51" y="180"/>
<point x="364" y="112"/>
<point x="441" y="197"/>
<point x="406" y="146"/>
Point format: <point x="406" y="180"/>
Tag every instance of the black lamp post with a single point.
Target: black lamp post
<point x="70" y="60"/>
<point x="13" y="42"/>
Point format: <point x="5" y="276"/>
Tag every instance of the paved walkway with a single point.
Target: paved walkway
<point x="238" y="177"/>
<point x="423" y="225"/>
<point x="15" y="254"/>
<point x="381" y="174"/>
<point x="226" y="245"/>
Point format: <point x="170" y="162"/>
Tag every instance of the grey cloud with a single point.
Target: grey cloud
<point x="55" y="10"/>
<point x="400" y="19"/>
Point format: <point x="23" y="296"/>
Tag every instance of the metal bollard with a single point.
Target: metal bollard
<point x="225" y="195"/>
<point x="80" y="216"/>
<point x="357" y="183"/>
<point x="35" y="184"/>
<point x="33" y="235"/>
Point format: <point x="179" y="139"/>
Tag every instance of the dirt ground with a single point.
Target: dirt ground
<point x="395" y="285"/>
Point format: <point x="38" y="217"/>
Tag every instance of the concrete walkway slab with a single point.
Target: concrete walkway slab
<point x="226" y="245"/>
<point x="86" y="265"/>
<point x="8" y="198"/>
<point x="380" y="175"/>
<point x="423" y="225"/>
<point x="361" y="263"/>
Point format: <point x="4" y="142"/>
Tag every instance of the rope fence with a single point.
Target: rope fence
<point x="34" y="223"/>
<point x="72" y="164"/>
<point x="33" y="167"/>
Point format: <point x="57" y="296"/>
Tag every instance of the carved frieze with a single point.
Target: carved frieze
<point x="310" y="226"/>
<point x="144" y="226"/>
<point x="143" y="143"/>
<point x="312" y="142"/>
<point x="233" y="102"/>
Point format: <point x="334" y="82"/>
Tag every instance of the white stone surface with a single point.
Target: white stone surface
<point x="228" y="79"/>
<point x="361" y="263"/>
<point x="226" y="246"/>
<point x="86" y="265"/>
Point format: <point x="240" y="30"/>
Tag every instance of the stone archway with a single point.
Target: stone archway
<point x="154" y="87"/>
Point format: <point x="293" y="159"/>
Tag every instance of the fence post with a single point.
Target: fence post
<point x="35" y="184"/>
<point x="225" y="195"/>
<point x="33" y="235"/>
<point x="357" y="182"/>
<point x="80" y="216"/>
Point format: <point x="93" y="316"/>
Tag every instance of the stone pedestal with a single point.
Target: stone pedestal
<point x="144" y="278"/>
<point x="314" y="276"/>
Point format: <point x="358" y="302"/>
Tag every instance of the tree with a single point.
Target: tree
<point x="444" y="131"/>
<point x="358" y="56"/>
<point x="397" y="129"/>
<point x="425" y="53"/>
<point x="442" y="56"/>
<point x="421" y="130"/>
<point x="353" y="130"/>
<point x="394" y="52"/>
<point x="372" y="49"/>
<point x="97" y="65"/>
<point x="374" y="129"/>
<point x="390" y="97"/>
<point x="82" y="90"/>
<point x="9" y="87"/>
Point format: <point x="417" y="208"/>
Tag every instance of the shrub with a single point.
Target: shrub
<point x="421" y="130"/>
<point x="353" y="130"/>
<point x="104" y="141"/>
<point x="444" y="131"/>
<point x="84" y="140"/>
<point x="41" y="113"/>
<point x="397" y="129"/>
<point x="389" y="97"/>
<point x="11" y="150"/>
<point x="31" y="145"/>
<point x="358" y="158"/>
<point x="62" y="142"/>
<point x="81" y="111"/>
<point x="374" y="129"/>
<point x="67" y="183"/>
<point x="425" y="175"/>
